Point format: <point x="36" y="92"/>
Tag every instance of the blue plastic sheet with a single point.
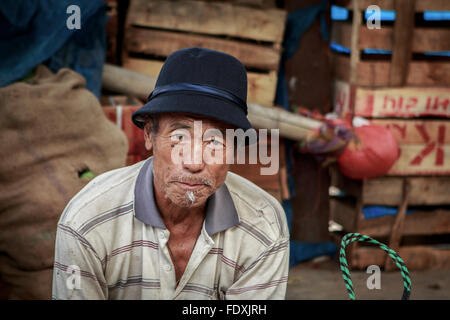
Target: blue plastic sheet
<point x="35" y="32"/>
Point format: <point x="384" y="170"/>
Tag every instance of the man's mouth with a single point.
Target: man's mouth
<point x="190" y="186"/>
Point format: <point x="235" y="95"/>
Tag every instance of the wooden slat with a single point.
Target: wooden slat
<point x="424" y="191"/>
<point x="163" y="43"/>
<point x="354" y="53"/>
<point x="397" y="228"/>
<point x="423" y="159"/>
<point x="376" y="73"/>
<point x="393" y="102"/>
<point x="417" y="132"/>
<point x="416" y="223"/>
<point x="415" y="257"/>
<point x="387" y="190"/>
<point x="403" y="102"/>
<point x="213" y="18"/>
<point x="424" y="145"/>
<point x="422" y="5"/>
<point x="424" y="39"/>
<point x="403" y="35"/>
<point x="261" y="87"/>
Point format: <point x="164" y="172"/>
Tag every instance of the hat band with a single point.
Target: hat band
<point x="199" y="88"/>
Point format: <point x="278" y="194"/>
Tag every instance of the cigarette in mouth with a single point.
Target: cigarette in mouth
<point x="190" y="195"/>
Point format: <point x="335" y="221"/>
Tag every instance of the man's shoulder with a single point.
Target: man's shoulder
<point x="257" y="208"/>
<point x="110" y="190"/>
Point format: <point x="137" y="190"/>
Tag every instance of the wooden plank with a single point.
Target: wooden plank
<point x="261" y="86"/>
<point x="424" y="145"/>
<point x="354" y="52"/>
<point x="422" y="5"/>
<point x="416" y="223"/>
<point x="425" y="222"/>
<point x="215" y="18"/>
<point x="397" y="228"/>
<point x="403" y="102"/>
<point x="403" y="34"/>
<point x="424" y="191"/>
<point x="393" y="102"/>
<point x="163" y="43"/>
<point x="387" y="190"/>
<point x="426" y="159"/>
<point x="424" y="39"/>
<point x="415" y="257"/>
<point x="376" y="73"/>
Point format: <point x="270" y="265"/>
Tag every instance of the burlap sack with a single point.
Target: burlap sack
<point x="51" y="129"/>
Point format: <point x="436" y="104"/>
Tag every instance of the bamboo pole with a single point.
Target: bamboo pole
<point x="291" y="125"/>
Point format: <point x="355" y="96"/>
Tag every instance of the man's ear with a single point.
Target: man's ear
<point x="148" y="137"/>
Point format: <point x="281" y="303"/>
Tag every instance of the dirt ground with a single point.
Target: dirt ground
<point x="322" y="280"/>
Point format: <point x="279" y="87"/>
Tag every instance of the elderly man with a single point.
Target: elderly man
<point x="176" y="226"/>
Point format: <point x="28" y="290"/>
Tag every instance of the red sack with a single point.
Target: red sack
<point x="370" y="153"/>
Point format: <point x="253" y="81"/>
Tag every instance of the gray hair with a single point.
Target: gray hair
<point x="150" y="123"/>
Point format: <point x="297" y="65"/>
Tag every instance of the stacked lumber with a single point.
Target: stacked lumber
<point x="156" y="28"/>
<point x="427" y="195"/>
<point x="379" y="89"/>
<point x="408" y="92"/>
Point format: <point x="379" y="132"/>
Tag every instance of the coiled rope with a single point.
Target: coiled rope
<point x="351" y="237"/>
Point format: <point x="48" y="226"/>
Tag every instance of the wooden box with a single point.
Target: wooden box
<point x="398" y="90"/>
<point x="424" y="192"/>
<point x="156" y="28"/>
<point x="410" y="42"/>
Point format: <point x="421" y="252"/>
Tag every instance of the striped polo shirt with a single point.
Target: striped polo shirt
<point x="111" y="243"/>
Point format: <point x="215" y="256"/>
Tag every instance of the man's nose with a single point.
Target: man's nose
<point x="196" y="162"/>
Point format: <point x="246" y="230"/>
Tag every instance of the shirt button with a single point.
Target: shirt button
<point x="167" y="267"/>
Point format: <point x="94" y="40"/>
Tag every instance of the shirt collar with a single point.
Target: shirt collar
<point x="221" y="213"/>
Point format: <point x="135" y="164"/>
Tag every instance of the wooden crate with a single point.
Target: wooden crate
<point x="390" y="191"/>
<point x="405" y="37"/>
<point x="156" y="28"/>
<point x="406" y="84"/>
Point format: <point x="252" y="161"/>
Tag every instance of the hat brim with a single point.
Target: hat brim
<point x="194" y="103"/>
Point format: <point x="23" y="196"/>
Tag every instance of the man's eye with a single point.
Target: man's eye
<point x="215" y="142"/>
<point x="177" y="137"/>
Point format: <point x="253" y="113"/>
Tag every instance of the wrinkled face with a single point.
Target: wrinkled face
<point x="189" y="157"/>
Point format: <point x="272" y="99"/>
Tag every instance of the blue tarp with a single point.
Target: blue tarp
<point x="370" y="212"/>
<point x="35" y="32"/>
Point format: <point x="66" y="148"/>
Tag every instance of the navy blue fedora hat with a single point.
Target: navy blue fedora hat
<point x="202" y="82"/>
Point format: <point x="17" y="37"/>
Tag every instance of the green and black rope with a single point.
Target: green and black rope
<point x="349" y="238"/>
